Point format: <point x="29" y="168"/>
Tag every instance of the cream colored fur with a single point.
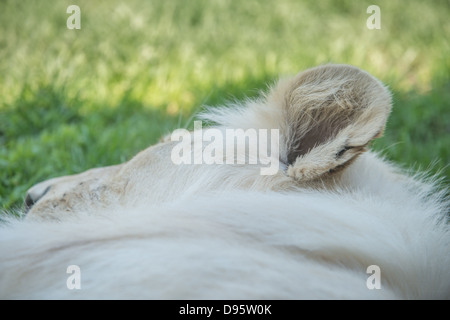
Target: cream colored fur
<point x="151" y="229"/>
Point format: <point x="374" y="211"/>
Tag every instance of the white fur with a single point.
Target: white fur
<point x="149" y="229"/>
<point x="243" y="245"/>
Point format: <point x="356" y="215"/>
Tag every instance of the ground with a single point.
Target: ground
<point x="75" y="99"/>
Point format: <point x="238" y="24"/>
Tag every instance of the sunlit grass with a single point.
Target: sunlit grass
<point x="75" y="99"/>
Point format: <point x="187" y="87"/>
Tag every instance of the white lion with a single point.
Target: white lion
<point x="334" y="222"/>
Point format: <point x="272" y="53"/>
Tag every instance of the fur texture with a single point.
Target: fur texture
<point x="150" y="229"/>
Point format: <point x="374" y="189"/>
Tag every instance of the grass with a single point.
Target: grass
<point x="75" y="99"/>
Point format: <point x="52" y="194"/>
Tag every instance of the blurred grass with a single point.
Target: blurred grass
<point x="75" y="99"/>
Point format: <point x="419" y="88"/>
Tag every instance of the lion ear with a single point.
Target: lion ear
<point x="330" y="114"/>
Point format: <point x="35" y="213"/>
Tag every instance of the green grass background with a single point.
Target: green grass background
<point x="75" y="99"/>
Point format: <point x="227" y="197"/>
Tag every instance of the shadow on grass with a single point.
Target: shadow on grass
<point x="46" y="134"/>
<point x="417" y="135"/>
